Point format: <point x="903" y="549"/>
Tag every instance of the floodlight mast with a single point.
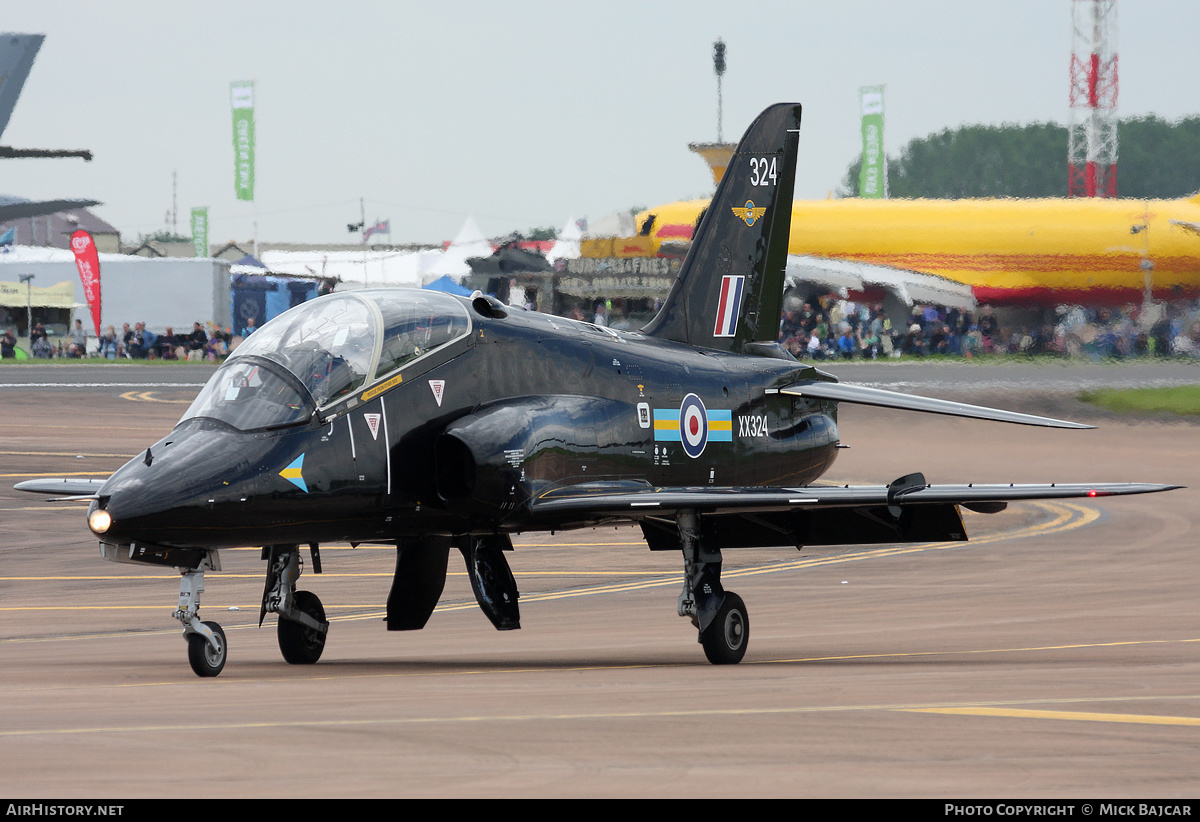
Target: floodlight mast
<point x="719" y="68"/>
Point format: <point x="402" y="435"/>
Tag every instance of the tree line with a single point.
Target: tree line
<point x="1156" y="159"/>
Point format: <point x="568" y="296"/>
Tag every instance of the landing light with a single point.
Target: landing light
<point x="99" y="521"/>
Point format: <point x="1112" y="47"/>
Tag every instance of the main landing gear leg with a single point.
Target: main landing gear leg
<point x="720" y="616"/>
<point x="207" y="649"/>
<point x="302" y="625"/>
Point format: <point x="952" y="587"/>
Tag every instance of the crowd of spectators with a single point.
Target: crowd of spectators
<point x="830" y="327"/>
<point x="202" y="343"/>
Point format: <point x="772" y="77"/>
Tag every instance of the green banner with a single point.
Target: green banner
<point x="200" y="232"/>
<point x="242" y="97"/>
<point x="872" y="179"/>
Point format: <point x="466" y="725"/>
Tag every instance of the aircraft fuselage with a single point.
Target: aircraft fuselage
<point x="464" y="438"/>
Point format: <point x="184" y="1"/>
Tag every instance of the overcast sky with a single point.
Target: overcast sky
<point x="520" y="113"/>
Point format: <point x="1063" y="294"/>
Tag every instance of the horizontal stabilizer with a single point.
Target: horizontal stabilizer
<point x="842" y="392"/>
<point x="59" y="485"/>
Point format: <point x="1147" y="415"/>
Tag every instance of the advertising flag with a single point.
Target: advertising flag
<point x="242" y="97"/>
<point x="199" y="232"/>
<point x="87" y="260"/>
<point x="872" y="179"/>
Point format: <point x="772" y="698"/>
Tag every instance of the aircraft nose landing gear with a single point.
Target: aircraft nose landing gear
<point x="207" y="652"/>
<point x="207" y="648"/>
<point x="720" y="615"/>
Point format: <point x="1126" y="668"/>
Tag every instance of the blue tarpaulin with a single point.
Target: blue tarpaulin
<point x="446" y="283"/>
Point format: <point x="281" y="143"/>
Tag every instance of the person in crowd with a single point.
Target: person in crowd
<point x="126" y="340"/>
<point x="939" y="342"/>
<point x="1185" y="344"/>
<point x="39" y="341"/>
<point x="816" y="351"/>
<point x="149" y="341"/>
<point x="793" y="346"/>
<point x="8" y="344"/>
<point x="846" y="344"/>
<point x="914" y="341"/>
<point x="197" y="342"/>
<point x="77" y="337"/>
<point x="249" y="328"/>
<point x="870" y="343"/>
<point x="135" y="342"/>
<point x="167" y="344"/>
<point x="989" y="327"/>
<point x="215" y="348"/>
<point x="110" y="346"/>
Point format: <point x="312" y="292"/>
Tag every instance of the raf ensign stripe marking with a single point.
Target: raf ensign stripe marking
<point x="729" y="306"/>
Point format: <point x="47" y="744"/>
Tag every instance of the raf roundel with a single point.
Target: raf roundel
<point x="693" y="426"/>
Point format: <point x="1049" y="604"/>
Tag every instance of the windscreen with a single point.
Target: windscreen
<point x="249" y="395"/>
<point x="333" y="346"/>
<point x="328" y="344"/>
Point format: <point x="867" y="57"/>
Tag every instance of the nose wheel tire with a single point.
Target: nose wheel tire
<point x="206" y="660"/>
<point x="300" y="644"/>
<point x="726" y="637"/>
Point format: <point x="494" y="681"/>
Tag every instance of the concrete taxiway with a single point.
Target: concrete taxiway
<point x="1055" y="655"/>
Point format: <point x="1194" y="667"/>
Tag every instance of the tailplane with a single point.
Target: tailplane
<point x="730" y="287"/>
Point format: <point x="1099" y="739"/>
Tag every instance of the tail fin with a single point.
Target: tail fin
<point x="730" y="286"/>
<point x="16" y="59"/>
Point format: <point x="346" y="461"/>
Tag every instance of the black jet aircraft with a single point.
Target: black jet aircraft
<point x="434" y="422"/>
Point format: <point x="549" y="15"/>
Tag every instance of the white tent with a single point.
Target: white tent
<point x="566" y="247"/>
<point x="469" y="243"/>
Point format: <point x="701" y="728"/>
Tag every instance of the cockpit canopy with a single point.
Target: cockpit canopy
<point x="332" y="346"/>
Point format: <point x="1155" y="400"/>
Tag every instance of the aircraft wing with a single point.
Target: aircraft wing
<point x="609" y="500"/>
<point x="910" y="286"/>
<point x="16" y="208"/>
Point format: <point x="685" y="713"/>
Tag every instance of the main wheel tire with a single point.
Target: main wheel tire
<point x="726" y="637"/>
<point x="204" y="660"/>
<point x="300" y="644"/>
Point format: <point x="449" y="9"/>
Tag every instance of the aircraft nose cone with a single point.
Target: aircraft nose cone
<point x="168" y="492"/>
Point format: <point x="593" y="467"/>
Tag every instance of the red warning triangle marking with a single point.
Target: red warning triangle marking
<point x="373" y="424"/>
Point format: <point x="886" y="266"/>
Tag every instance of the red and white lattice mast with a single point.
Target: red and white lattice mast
<point x="1092" y="135"/>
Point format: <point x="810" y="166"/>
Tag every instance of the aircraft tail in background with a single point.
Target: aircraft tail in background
<point x="16" y="59"/>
